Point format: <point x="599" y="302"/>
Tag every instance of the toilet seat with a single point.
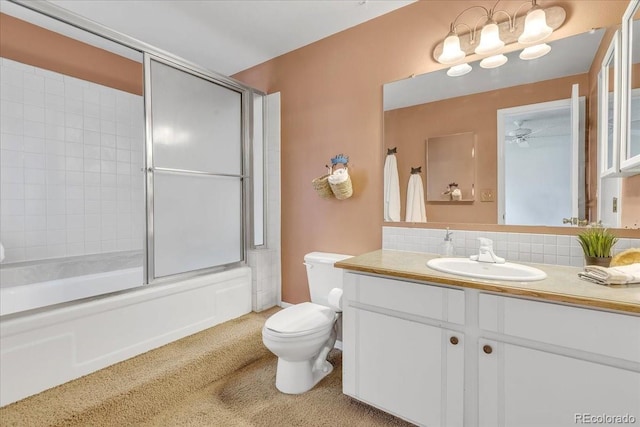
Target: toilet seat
<point x="301" y="319"/>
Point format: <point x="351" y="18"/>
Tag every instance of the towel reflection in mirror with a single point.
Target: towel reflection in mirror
<point x="415" y="211"/>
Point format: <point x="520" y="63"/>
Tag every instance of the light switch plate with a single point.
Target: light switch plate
<point x="486" y="195"/>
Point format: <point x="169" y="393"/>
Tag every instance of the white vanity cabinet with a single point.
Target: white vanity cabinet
<point x="515" y="362"/>
<point x="403" y="350"/>
<point x="544" y="364"/>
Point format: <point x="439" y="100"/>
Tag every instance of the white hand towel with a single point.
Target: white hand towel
<point x="338" y="176"/>
<point x="391" y="189"/>
<point x="620" y="275"/>
<point x="415" y="200"/>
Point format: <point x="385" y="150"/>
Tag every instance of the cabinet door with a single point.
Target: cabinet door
<point x="522" y="387"/>
<point x="409" y="369"/>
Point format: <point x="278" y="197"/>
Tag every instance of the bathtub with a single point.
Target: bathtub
<point x="45" y="347"/>
<point x="36" y="284"/>
<point x="14" y="299"/>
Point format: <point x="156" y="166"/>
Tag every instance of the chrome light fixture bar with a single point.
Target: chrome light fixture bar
<point x="528" y="29"/>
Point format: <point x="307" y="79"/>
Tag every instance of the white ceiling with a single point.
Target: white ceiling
<point x="228" y="36"/>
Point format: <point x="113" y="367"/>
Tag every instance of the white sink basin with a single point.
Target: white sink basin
<point x="485" y="270"/>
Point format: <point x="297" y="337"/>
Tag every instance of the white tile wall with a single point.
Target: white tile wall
<point x="266" y="263"/>
<point x="71" y="154"/>
<point x="525" y="247"/>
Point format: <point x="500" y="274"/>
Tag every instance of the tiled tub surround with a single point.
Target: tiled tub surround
<point x="34" y="284"/>
<point x="516" y="247"/>
<point x="265" y="262"/>
<point x="71" y="156"/>
<point x="24" y="273"/>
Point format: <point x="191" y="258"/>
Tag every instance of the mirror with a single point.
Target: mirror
<point x="630" y="105"/>
<point x="449" y="105"/>
<point x="451" y="168"/>
<point x="608" y="110"/>
<point x="634" y="121"/>
<point x="541" y="140"/>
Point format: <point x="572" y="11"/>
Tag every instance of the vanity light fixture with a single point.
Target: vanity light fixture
<point x="451" y="53"/>
<point x="490" y="41"/>
<point x="494" y="37"/>
<point x="535" y="26"/>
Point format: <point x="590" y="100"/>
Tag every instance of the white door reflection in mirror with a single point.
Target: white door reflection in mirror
<point x="608" y="119"/>
<point x="541" y="163"/>
<point x="630" y="88"/>
<point x="633" y="148"/>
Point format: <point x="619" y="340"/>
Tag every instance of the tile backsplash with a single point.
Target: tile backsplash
<point x="525" y="247"/>
<point x="71" y="154"/>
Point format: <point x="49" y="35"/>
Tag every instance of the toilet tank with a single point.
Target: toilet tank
<point x="322" y="275"/>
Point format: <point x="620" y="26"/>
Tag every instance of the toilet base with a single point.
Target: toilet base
<point x="298" y="377"/>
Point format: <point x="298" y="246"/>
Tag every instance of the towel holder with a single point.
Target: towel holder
<point x="393" y="150"/>
<point x="340" y="159"/>
<point x="416" y="170"/>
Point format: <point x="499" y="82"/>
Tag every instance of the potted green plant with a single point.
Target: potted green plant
<point x="597" y="243"/>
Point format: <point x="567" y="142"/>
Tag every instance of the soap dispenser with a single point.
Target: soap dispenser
<point x="447" y="249"/>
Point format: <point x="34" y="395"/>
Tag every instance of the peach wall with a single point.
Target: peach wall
<point x="408" y="128"/>
<point x="331" y="94"/>
<point x="37" y="46"/>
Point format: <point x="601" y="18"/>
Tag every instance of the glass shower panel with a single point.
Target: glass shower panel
<point x="72" y="138"/>
<point x="197" y="162"/>
<point x="197" y="124"/>
<point x="197" y="223"/>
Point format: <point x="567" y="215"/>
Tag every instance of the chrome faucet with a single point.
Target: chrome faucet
<point x="485" y="253"/>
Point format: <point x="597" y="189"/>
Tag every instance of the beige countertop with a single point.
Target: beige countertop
<point x="561" y="285"/>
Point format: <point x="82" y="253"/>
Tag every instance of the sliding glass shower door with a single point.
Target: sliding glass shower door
<point x="195" y="171"/>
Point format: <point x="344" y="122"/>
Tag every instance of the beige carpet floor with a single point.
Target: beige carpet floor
<point x="223" y="376"/>
<point x="248" y="398"/>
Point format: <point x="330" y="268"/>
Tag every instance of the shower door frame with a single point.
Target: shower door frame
<point x="58" y="13"/>
<point x="149" y="168"/>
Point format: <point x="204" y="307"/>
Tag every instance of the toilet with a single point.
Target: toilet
<point x="303" y="334"/>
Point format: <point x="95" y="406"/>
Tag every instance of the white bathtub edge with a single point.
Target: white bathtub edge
<point x="39" y="351"/>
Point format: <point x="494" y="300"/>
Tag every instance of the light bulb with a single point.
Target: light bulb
<point x="489" y="39"/>
<point x="533" y="52"/>
<point x="459" y="70"/>
<point x="535" y="27"/>
<point x="493" y="61"/>
<point x="451" y="52"/>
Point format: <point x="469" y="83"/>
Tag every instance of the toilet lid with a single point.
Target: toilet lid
<point x="305" y="317"/>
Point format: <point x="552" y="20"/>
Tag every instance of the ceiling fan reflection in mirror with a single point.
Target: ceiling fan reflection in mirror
<point x="521" y="134"/>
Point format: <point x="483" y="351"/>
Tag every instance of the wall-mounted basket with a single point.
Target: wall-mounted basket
<point x="322" y="187"/>
<point x="342" y="190"/>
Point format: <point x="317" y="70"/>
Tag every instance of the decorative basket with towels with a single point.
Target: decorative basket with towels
<point x="337" y="182"/>
<point x="322" y="187"/>
<point x="340" y="183"/>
